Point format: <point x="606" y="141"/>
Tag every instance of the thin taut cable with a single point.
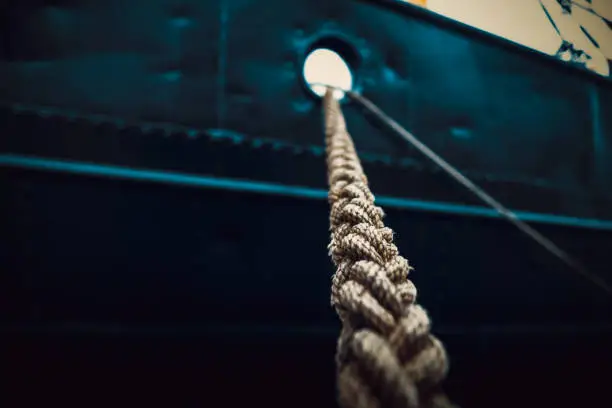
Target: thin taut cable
<point x="478" y="191"/>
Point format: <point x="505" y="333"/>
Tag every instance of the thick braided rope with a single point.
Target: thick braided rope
<point x="386" y="356"/>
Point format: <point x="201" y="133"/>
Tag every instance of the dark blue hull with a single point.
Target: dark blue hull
<point x="157" y="160"/>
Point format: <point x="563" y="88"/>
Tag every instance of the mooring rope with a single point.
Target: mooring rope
<point x="386" y="355"/>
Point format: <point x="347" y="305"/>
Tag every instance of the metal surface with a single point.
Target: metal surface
<point x="116" y="114"/>
<point x="501" y="112"/>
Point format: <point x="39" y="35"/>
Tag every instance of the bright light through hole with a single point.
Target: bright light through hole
<point x="324" y="66"/>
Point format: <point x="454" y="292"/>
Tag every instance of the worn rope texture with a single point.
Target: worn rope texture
<point x="386" y="356"/>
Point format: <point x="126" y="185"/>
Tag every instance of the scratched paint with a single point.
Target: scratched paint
<point x="525" y="22"/>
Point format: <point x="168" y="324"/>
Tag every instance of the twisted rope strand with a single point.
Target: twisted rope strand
<point x="386" y="356"/>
